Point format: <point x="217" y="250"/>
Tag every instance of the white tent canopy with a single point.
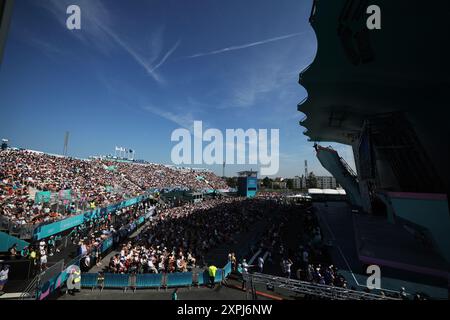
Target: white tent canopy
<point x="327" y="191"/>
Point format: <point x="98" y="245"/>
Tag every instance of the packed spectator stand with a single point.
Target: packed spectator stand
<point x="178" y="238"/>
<point x="92" y="184"/>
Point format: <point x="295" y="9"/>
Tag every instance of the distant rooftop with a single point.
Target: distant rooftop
<point x="250" y="173"/>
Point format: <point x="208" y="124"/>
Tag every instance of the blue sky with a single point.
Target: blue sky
<point x="139" y="69"/>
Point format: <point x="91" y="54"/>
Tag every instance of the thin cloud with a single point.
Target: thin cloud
<point x="96" y="20"/>
<point x="151" y="70"/>
<point x="166" y="56"/>
<point x="245" y="46"/>
<point x="46" y="48"/>
<point x="136" y="57"/>
<point x="184" y="120"/>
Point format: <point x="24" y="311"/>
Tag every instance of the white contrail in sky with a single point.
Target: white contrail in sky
<point x="140" y="60"/>
<point x="132" y="53"/>
<point x="166" y="56"/>
<point x="244" y="46"/>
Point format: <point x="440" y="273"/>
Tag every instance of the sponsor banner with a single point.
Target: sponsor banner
<point x="66" y="224"/>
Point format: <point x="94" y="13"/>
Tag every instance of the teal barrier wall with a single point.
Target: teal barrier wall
<point x="179" y="279"/>
<point x="148" y="280"/>
<point x="69" y="223"/>
<point x="227" y="269"/>
<point x="431" y="214"/>
<point x="57" y="227"/>
<point x="7" y="241"/>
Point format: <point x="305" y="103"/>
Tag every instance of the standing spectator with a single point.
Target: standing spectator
<point x="261" y="264"/>
<point x="245" y="266"/>
<point x="34" y="261"/>
<point x="98" y="259"/>
<point x="82" y="249"/>
<point x="287" y="263"/>
<point x="51" y="246"/>
<point x="233" y="262"/>
<point x="13" y="251"/>
<point x="212" y="275"/>
<point x="25" y="252"/>
<point x="87" y="262"/>
<point x="4" y="270"/>
<point x="57" y="242"/>
<point x="74" y="281"/>
<point x="175" y="295"/>
<point x="42" y="245"/>
<point x="283" y="267"/>
<point x="43" y="260"/>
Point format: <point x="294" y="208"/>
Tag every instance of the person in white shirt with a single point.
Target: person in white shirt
<point x="260" y="264"/>
<point x="179" y="265"/>
<point x="245" y="267"/>
<point x="43" y="260"/>
<point x="161" y="266"/>
<point x="4" y="270"/>
<point x="42" y="245"/>
<point x="151" y="266"/>
<point x="287" y="267"/>
<point x="83" y="249"/>
<point x="87" y="262"/>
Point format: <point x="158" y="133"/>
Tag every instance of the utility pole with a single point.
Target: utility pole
<point x="306" y="168"/>
<point x="66" y="143"/>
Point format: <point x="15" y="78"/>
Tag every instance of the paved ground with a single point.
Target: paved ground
<point x="338" y="228"/>
<point x="219" y="293"/>
<point x="231" y="291"/>
<point x="336" y="224"/>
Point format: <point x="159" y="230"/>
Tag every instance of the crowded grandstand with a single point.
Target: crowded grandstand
<point x="81" y="184"/>
<point x="127" y="226"/>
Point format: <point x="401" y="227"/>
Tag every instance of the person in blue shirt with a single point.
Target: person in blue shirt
<point x="174" y="294"/>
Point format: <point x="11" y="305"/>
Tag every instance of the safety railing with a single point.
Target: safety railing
<point x="30" y="291"/>
<point x="312" y="289"/>
<point x="348" y="168"/>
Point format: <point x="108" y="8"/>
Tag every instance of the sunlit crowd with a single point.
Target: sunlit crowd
<point x="76" y="185"/>
<point x="178" y="238"/>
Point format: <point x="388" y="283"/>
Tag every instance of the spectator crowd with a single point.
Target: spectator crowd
<point x="297" y="253"/>
<point x="77" y="185"/>
<point x="178" y="239"/>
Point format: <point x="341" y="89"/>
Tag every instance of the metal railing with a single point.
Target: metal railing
<point x="30" y="291"/>
<point x="348" y="168"/>
<point x="343" y="162"/>
<point x="311" y="289"/>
